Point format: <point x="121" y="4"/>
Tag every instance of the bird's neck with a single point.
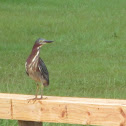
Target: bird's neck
<point x="34" y="56"/>
<point x="36" y="50"/>
<point x="35" y="53"/>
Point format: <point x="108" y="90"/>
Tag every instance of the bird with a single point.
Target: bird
<point x="36" y="68"/>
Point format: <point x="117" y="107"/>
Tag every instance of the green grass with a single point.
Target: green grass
<point x="87" y="59"/>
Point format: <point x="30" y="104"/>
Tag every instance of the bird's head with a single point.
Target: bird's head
<point x="40" y="42"/>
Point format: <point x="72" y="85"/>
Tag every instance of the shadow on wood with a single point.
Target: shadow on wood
<point x="29" y="123"/>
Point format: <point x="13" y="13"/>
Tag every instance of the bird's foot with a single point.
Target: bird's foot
<point x="43" y="97"/>
<point x="35" y="99"/>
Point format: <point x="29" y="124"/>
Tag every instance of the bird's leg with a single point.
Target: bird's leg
<point x="34" y="99"/>
<point x="37" y="90"/>
<point x="42" y="87"/>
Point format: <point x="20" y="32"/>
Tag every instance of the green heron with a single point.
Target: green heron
<point x="35" y="67"/>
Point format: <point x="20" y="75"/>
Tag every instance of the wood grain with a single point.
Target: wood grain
<point x="86" y="111"/>
<point x="5" y="108"/>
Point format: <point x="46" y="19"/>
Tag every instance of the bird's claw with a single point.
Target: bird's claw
<point x="35" y="99"/>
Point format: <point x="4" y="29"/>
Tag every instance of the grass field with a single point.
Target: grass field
<point x="87" y="59"/>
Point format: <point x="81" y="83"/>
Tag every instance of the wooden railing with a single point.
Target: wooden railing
<point x="73" y="110"/>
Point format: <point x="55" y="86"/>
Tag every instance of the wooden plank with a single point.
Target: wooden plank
<point x="29" y="123"/>
<point x="90" y="111"/>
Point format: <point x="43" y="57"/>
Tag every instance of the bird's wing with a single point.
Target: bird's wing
<point x="43" y="70"/>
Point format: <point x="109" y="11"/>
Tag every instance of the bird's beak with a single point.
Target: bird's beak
<point x="47" y="41"/>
